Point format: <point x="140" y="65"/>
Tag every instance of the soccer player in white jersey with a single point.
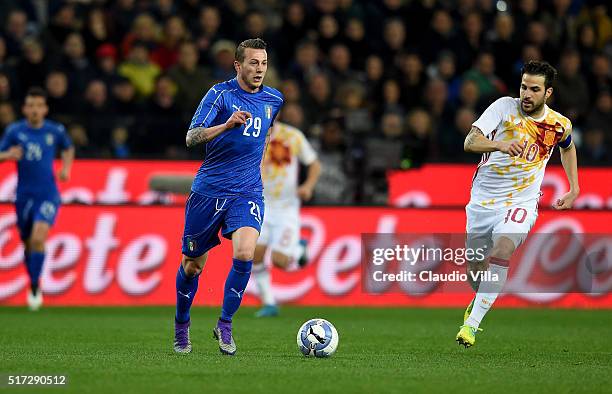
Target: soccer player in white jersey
<point x="281" y="226"/>
<point x="516" y="138"/>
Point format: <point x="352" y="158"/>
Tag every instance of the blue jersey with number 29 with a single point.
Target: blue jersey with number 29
<point x="233" y="159"/>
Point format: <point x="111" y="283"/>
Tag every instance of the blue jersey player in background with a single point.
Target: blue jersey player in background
<point x="33" y="143"/>
<point x="232" y="121"/>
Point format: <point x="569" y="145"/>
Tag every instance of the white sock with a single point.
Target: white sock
<point x="486" y="295"/>
<point x="261" y="274"/>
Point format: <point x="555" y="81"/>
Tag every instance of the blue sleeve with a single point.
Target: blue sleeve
<point x="8" y="139"/>
<point x="63" y="140"/>
<point x="209" y="107"/>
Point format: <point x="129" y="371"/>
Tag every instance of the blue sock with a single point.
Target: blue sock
<point x="236" y="282"/>
<point x="34" y="263"/>
<point x="186" y="288"/>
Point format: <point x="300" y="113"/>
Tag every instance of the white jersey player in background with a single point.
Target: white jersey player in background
<point x="516" y="138"/>
<point x="281" y="227"/>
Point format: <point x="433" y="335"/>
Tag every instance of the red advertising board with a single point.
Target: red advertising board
<point x="128" y="255"/>
<point x="434" y="185"/>
<point x="448" y="185"/>
<point x="108" y="181"/>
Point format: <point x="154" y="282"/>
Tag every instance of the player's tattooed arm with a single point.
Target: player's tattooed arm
<point x="476" y="142"/>
<point x="199" y="135"/>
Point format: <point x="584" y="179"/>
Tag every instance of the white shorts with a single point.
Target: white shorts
<point x="484" y="226"/>
<point x="281" y="231"/>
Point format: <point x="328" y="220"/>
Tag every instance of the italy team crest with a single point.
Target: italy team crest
<point x="49" y="139"/>
<point x="268" y="109"/>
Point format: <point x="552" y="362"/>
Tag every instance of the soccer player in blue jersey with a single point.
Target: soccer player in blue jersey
<point x="32" y="143"/>
<point x="232" y="121"/>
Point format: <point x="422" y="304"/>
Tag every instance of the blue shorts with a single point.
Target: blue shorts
<point x="205" y="216"/>
<point x="34" y="209"/>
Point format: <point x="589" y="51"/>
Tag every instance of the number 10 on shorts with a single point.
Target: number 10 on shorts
<point x="517" y="215"/>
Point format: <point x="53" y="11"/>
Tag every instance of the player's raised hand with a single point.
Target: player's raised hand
<point x="511" y="148"/>
<point x="566" y="201"/>
<point x="237" y="119"/>
<point x="15" y="153"/>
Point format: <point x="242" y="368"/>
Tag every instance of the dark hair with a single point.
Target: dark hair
<point x="254" y="43"/>
<point x="36" y="91"/>
<point x="535" y="67"/>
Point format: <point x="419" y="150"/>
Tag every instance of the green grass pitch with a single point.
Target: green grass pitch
<point x="128" y="350"/>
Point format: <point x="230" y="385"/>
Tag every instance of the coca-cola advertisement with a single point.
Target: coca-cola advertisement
<point x="128" y="255"/>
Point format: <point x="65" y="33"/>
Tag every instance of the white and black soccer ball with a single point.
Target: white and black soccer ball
<point x="317" y="337"/>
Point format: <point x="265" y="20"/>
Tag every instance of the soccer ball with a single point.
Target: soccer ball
<point x="317" y="337"/>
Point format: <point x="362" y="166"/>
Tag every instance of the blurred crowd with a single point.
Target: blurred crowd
<point x="373" y="84"/>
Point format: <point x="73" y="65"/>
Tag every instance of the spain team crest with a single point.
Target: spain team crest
<point x="549" y="137"/>
<point x="268" y="109"/>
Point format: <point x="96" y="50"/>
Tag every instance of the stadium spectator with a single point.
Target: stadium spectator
<point x="571" y="89"/>
<point x="600" y="77"/>
<point x="96" y="32"/>
<point x="207" y="31"/>
<point x="600" y="117"/>
<point x="334" y="186"/>
<point x="191" y="79"/>
<point x="106" y="67"/>
<point x="419" y="148"/>
<point x="125" y="103"/>
<point x="119" y="143"/>
<point x="97" y="114"/>
<point x="162" y="132"/>
<point x="80" y="140"/>
<point x="413" y="80"/>
<point x="33" y="66"/>
<point x="291" y="92"/>
<point x="62" y="107"/>
<point x="469" y="41"/>
<point x="306" y="63"/>
<point x="504" y="47"/>
<point x="328" y="34"/>
<point x="340" y="70"/>
<point x="358" y="45"/>
<point x="63" y="23"/>
<point x="319" y="98"/>
<point x="75" y="63"/>
<point x="7" y="92"/>
<point x="167" y="53"/>
<point x="394" y="41"/>
<point x="441" y="36"/>
<point x="593" y="149"/>
<point x="483" y="73"/>
<point x="223" y="60"/>
<point x="140" y="70"/>
<point x="293" y="114"/>
<point x="391" y="95"/>
<point x="144" y="31"/>
<point x="293" y="30"/>
<point x="16" y="31"/>
<point x="7" y="114"/>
